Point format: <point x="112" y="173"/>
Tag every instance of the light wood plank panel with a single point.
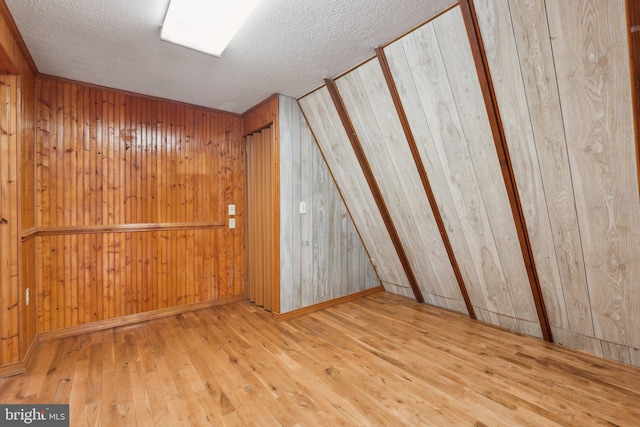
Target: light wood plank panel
<point x="375" y="119"/>
<point x="536" y="59"/>
<point x="501" y="50"/>
<point x="591" y="52"/>
<point x="465" y="88"/>
<point x="325" y="123"/>
<point x="445" y="144"/>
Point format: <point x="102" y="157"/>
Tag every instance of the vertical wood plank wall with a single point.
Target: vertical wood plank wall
<point x="370" y="107"/>
<point x="324" y="121"/>
<point x="321" y="254"/>
<point x="9" y="217"/>
<point x="17" y="181"/>
<point x="107" y="159"/>
<point x="562" y="77"/>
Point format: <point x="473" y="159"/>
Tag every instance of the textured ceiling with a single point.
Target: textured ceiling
<point x="285" y="46"/>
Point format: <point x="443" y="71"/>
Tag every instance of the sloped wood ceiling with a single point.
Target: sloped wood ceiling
<point x="560" y="78"/>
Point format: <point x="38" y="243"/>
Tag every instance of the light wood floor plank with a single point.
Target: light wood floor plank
<point x="380" y="360"/>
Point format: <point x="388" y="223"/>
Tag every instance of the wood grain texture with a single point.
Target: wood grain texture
<point x="326" y="229"/>
<point x="264" y="117"/>
<point x="9" y="221"/>
<point x="261" y="237"/>
<point x="17" y="108"/>
<point x="375" y="120"/>
<point x="502" y="56"/>
<point x="433" y="68"/>
<point x="590" y="46"/>
<point x="359" y="363"/>
<point x="336" y="149"/>
<point x="109" y="161"/>
<point x="536" y="59"/>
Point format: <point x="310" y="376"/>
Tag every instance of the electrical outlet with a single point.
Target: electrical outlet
<point x="303" y="208"/>
<point x="232" y="223"/>
<point x="232" y="209"/>
<point x="26" y="296"/>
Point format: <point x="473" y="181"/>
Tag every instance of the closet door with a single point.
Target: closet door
<point x="260" y="238"/>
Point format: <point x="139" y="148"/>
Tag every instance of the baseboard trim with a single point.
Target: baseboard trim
<point x="19" y="368"/>
<point x="326" y="304"/>
<point x="134" y="318"/>
<point x="31" y="351"/>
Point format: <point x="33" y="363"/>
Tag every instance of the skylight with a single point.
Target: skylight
<point x="205" y="25"/>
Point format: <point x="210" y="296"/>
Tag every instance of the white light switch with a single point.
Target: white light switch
<point x="232" y="223"/>
<point x="303" y="208"/>
<point x="232" y="209"/>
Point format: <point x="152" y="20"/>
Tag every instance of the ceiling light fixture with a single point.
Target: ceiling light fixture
<point x="205" y="25"/>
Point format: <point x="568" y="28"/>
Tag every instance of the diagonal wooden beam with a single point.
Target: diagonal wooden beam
<point x="391" y="84"/>
<point x="373" y="185"/>
<point x="500" y="140"/>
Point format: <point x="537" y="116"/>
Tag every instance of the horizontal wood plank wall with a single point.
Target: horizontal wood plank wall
<point x="321" y="255"/>
<point x="434" y="72"/>
<point x="109" y="158"/>
<point x="580" y="199"/>
<point x="324" y="122"/>
<point x="370" y="106"/>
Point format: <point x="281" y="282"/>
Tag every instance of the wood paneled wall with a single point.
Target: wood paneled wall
<point x="561" y="72"/>
<point x="9" y="220"/>
<point x="321" y="254"/>
<point x="17" y="182"/>
<point x="110" y="167"/>
<point x="324" y="121"/>
<point x="370" y="108"/>
<point x="434" y="72"/>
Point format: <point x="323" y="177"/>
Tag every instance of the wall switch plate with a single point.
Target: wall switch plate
<point x="232" y="209"/>
<point x="232" y="223"/>
<point x="303" y="208"/>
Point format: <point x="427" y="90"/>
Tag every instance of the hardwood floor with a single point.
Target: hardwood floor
<point x="381" y="360"/>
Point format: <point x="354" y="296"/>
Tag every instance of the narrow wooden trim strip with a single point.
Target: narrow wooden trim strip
<point x="6" y="13"/>
<point x="493" y="112"/>
<point x="373" y="186"/>
<point x="6" y="64"/>
<point x="19" y="368"/>
<point x="326" y="304"/>
<point x="29" y="357"/>
<point x="121" y="228"/>
<point x="633" y="40"/>
<point x="393" y="89"/>
<point x="135" y="318"/>
<point x="12" y="369"/>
